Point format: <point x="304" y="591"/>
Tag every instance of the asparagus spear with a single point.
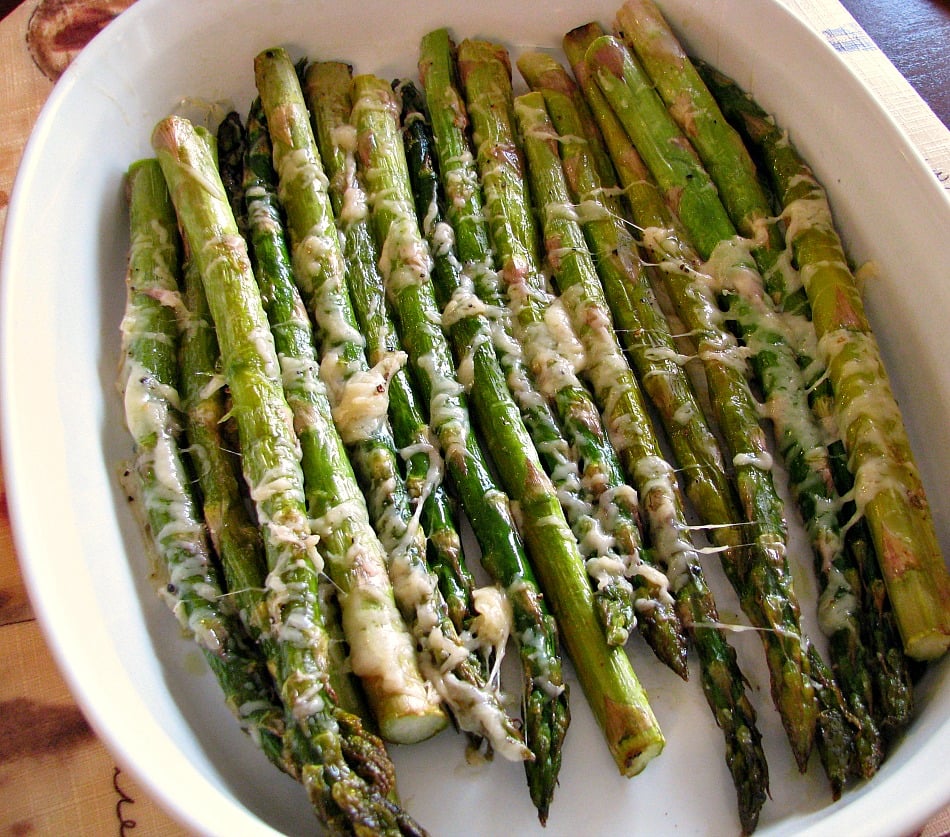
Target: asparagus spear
<point x="236" y="539"/>
<point x="411" y="432"/>
<point x="405" y="270"/>
<point x="614" y="695"/>
<point x="324" y="738"/>
<point x="231" y="141"/>
<point x="447" y="662"/>
<point x="148" y="383"/>
<point x="576" y="274"/>
<point x="801" y="444"/>
<point x="722" y="151"/>
<point x="211" y="411"/>
<point x="733" y="403"/>
<point x="759" y="573"/>
<point x="765" y="333"/>
<point x="329" y="481"/>
<point x="356" y="395"/>
<point x="894" y="504"/>
<point x="612" y="690"/>
<point x="540" y="329"/>
<point x="606" y="552"/>
<point x="640" y="325"/>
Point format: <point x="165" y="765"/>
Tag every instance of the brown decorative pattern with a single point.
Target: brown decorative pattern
<point x="126" y="824"/>
<point x="59" y="29"/>
<point x="29" y="728"/>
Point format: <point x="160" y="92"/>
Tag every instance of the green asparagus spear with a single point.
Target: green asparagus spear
<point x="893" y="688"/>
<point x="607" y="556"/>
<point x="894" y="501"/>
<point x="231" y="141"/>
<point x="324" y="738"/>
<point x="470" y="274"/>
<point x="148" y="383"/>
<point x="356" y="396"/>
<point x="454" y="670"/>
<point x="800" y="439"/>
<point x="615" y="507"/>
<point x="722" y="151"/>
<point x="802" y="446"/>
<point x="405" y="269"/>
<point x="547" y="339"/>
<point x="412" y="433"/>
<point x="329" y="481"/>
<point x="232" y="148"/>
<point x="235" y="538"/>
<point x="760" y="573"/>
<point x="576" y="274"/>
<point x="615" y="697"/>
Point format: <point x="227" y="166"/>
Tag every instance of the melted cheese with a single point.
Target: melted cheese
<point x="447" y="412"/>
<point x="300" y="168"/>
<point x="362" y="405"/>
<point x="493" y="623"/>
<point x="464" y="303"/>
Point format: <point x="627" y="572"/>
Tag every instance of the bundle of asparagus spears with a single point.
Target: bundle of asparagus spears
<point x="365" y="310"/>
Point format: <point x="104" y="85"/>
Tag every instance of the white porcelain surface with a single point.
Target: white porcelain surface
<point x="144" y="688"/>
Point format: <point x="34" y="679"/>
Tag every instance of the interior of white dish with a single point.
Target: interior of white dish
<point x="144" y="687"/>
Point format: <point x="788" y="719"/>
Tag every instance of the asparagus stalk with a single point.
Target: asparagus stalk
<point x="356" y="395"/>
<point x="405" y="269"/>
<point x="801" y="444"/>
<point x="326" y="739"/>
<point x="734" y="405"/>
<point x="614" y="694"/>
<point x="232" y="147"/>
<point x="893" y="503"/>
<point x="872" y="639"/>
<point x="334" y="137"/>
<point x="616" y="508"/>
<point x="231" y="141"/>
<point x="411" y="432"/>
<point x="642" y="26"/>
<point x="447" y="662"/>
<point x="760" y="572"/>
<point x="606" y="556"/>
<point x="236" y="539"/>
<point x="148" y="384"/>
<point x="540" y="328"/>
<point x="617" y="599"/>
<point x="576" y="274"/>
<point x="321" y="449"/>
<point x="766" y="335"/>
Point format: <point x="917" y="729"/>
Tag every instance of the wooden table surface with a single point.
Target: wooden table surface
<point x="55" y="776"/>
<point x="915" y="35"/>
